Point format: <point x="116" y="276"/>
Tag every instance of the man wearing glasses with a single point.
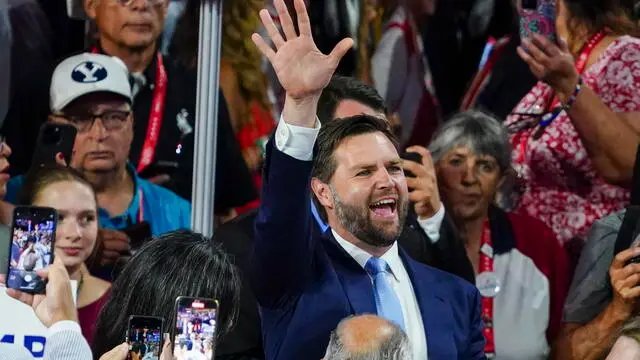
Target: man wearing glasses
<point x="165" y="99"/>
<point x="92" y="93"/>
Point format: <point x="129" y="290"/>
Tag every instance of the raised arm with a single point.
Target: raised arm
<point x="283" y="247"/>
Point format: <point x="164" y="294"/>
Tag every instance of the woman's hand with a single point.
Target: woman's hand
<point x="551" y="63"/>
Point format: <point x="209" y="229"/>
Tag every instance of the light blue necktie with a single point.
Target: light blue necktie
<point x="387" y="303"/>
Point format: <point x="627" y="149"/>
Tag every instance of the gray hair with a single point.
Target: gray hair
<point x="483" y="134"/>
<point x="393" y="346"/>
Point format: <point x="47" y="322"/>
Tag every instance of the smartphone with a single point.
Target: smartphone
<point x="411" y="156"/>
<point x="144" y="336"/>
<point x="195" y="329"/>
<point x="138" y="234"/>
<point x="538" y="17"/>
<point x="54" y="139"/>
<point x="31" y="248"/>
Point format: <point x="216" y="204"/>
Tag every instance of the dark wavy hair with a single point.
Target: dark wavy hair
<point x="179" y="263"/>
<point x="616" y="15"/>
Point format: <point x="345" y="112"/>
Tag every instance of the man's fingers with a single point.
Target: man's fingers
<point x="340" y="50"/>
<point x="285" y="20"/>
<point x="271" y="28"/>
<point x="116" y="244"/>
<point x="3" y="279"/>
<point x="630" y="293"/>
<point x="628" y="282"/>
<point x="417" y="169"/>
<point x="263" y="47"/>
<point x="418" y="196"/>
<point x="119" y="352"/>
<point x="427" y="160"/>
<point x="304" y="24"/>
<point x="623" y="257"/>
<point x="20" y="296"/>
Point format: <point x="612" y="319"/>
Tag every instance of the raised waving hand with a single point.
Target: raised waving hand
<point x="303" y="71"/>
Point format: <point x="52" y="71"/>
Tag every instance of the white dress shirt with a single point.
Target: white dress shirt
<point x="298" y="143"/>
<point x="401" y="284"/>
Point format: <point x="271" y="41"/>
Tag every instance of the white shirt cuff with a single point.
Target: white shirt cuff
<point x="296" y="141"/>
<point x="65" y="325"/>
<point x="431" y="226"/>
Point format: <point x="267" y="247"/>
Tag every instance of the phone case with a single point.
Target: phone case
<point x="540" y="21"/>
<point x="54" y="139"/>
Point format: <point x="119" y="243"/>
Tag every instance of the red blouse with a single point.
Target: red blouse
<point x="562" y="187"/>
<point x="88" y="316"/>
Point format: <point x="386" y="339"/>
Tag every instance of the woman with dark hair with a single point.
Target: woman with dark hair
<point x="576" y="132"/>
<point x="521" y="269"/>
<point x="180" y="263"/>
<point x="67" y="191"/>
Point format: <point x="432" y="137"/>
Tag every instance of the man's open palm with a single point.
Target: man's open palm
<point x="301" y="68"/>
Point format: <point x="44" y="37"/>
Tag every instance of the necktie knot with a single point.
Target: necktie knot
<point x="376" y="266"/>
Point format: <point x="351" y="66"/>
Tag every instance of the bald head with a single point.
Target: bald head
<point x="367" y="337"/>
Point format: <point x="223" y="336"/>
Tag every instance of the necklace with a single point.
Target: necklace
<point x="80" y="283"/>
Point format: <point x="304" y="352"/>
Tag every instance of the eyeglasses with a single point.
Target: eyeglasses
<point x="112" y="120"/>
<point x="128" y="3"/>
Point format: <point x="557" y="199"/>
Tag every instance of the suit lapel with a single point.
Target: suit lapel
<point x="432" y="305"/>
<point x="355" y="281"/>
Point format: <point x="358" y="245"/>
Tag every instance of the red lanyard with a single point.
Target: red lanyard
<point x="156" y="116"/>
<point x="485" y="72"/>
<point x="580" y="64"/>
<point x="140" y="206"/>
<point x="486" y="266"/>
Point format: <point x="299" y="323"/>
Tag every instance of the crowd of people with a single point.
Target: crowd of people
<point x="406" y="179"/>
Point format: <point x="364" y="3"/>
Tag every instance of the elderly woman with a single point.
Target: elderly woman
<point x="522" y="271"/>
<point x="575" y="134"/>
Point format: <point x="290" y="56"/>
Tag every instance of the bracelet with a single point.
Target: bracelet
<point x="574" y="95"/>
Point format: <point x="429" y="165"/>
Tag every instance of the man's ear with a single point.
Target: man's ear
<point x="322" y="192"/>
<point x="90" y="8"/>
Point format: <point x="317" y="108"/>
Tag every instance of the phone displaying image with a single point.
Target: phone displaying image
<point x="538" y="17"/>
<point x="31" y="248"/>
<point x="194" y="334"/>
<point x="54" y="139"/>
<point x="144" y="336"/>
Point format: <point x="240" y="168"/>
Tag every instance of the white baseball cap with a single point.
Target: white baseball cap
<point x="88" y="73"/>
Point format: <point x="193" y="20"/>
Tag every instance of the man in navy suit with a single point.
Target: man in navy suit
<point x="304" y="284"/>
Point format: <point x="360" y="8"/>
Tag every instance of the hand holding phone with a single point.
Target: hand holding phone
<point x="195" y="330"/>
<point x="538" y="17"/>
<point x="31" y="248"/>
<point x="421" y="181"/>
<point x="57" y="305"/>
<point x="145" y="337"/>
<point x="54" y="139"/>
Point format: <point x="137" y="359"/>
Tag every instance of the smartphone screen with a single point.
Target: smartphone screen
<point x="194" y="333"/>
<point x="33" y="237"/>
<point x="144" y="336"/>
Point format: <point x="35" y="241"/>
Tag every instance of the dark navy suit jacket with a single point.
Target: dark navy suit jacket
<point x="306" y="284"/>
